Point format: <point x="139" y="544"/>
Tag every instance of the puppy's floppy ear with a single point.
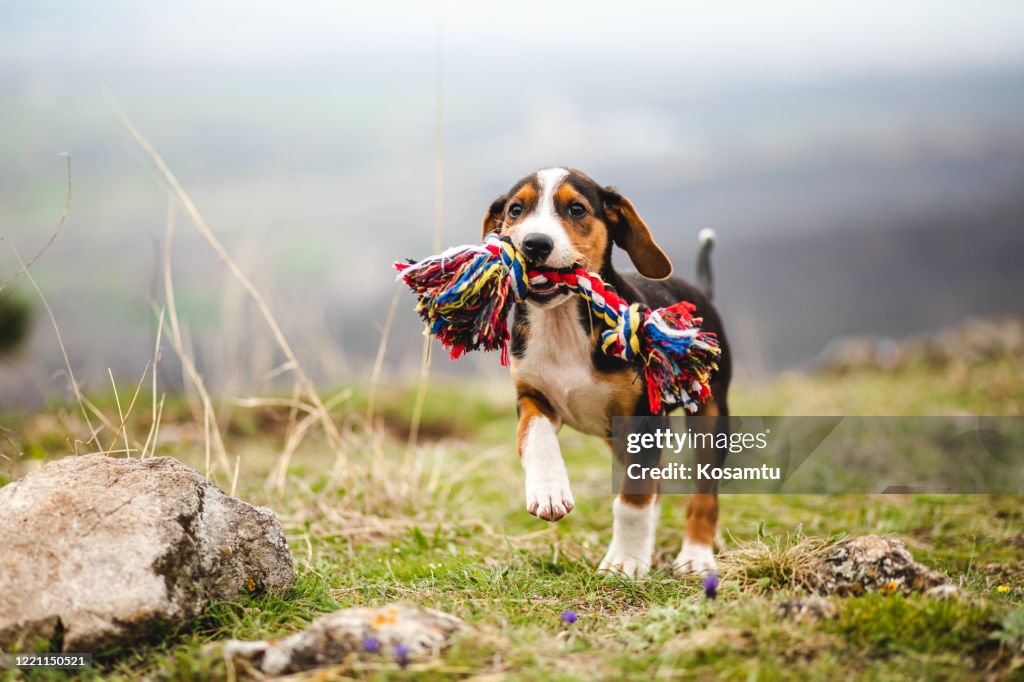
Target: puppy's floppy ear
<point x="631" y="234"/>
<point x="492" y="219"/>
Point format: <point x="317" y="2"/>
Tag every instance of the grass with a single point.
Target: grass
<point x="372" y="521"/>
<point x="443" y="526"/>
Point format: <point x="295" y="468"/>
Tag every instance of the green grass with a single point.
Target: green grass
<point x="883" y="624"/>
<point x="443" y="526"/>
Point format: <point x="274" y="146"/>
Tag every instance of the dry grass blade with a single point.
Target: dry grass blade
<point x="123" y="427"/>
<point x="120" y="413"/>
<point x="378" y="363"/>
<point x="210" y="427"/>
<point x="283" y="368"/>
<point x="421" y="397"/>
<point x="204" y="229"/>
<point x="234" y="475"/>
<point x="93" y="432"/>
<point x="789" y="562"/>
<point x="296" y="433"/>
<point x="9" y="441"/>
<point x="421" y="389"/>
<point x="277" y="402"/>
<point x="158" y="409"/>
<point x="154" y="431"/>
<point x="293" y="411"/>
<point x="60" y="224"/>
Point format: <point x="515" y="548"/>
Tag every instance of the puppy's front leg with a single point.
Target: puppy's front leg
<point x="636" y="519"/>
<point x="547" y="483"/>
<point x="636" y="512"/>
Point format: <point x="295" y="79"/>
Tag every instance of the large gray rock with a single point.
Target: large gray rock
<point x="101" y="551"/>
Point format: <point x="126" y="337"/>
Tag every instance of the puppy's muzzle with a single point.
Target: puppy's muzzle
<point x="537" y="247"/>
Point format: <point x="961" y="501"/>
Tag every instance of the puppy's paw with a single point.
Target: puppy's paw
<point x="549" y="499"/>
<point x="695" y="557"/>
<point x="624" y="563"/>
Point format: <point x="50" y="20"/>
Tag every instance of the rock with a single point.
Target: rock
<point x="398" y="632"/>
<point x="807" y="609"/>
<point x="100" y="551"/>
<point x="870" y="563"/>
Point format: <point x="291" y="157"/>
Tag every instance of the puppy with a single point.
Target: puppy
<point x="557" y="217"/>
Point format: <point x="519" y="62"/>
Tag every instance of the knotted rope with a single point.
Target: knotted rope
<point x="466" y="292"/>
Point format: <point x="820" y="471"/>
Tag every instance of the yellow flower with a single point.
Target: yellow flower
<point x="1003" y="589"/>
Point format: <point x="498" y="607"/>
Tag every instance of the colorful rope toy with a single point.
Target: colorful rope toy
<point x="465" y="295"/>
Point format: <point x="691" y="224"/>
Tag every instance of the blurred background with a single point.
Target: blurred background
<point x="863" y="165"/>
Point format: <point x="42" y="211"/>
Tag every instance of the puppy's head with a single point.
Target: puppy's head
<point x="557" y="217"/>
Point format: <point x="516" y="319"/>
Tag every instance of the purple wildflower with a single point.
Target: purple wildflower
<point x="402" y="654"/>
<point x="710" y="585"/>
<point x="569" y="617"/>
<point x="371" y="644"/>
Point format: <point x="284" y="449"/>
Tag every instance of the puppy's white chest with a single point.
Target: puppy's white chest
<point x="558" y="364"/>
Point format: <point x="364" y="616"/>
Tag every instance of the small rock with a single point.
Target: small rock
<point x="807" y="609"/>
<point x="100" y="551"/>
<point x="411" y="631"/>
<point x="870" y="563"/>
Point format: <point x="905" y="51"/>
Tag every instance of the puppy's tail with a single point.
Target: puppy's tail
<point x="705" y="281"/>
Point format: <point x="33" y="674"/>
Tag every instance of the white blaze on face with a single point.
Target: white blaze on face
<point x="545" y="221"/>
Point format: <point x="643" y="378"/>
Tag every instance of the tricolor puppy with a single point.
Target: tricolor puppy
<point x="557" y="217"/>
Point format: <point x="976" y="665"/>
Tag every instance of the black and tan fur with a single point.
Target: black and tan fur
<point x="561" y="375"/>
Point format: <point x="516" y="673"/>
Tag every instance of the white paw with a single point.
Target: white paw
<point x="632" y="540"/>
<point x="695" y="557"/>
<point x="629" y="565"/>
<point x="549" y="497"/>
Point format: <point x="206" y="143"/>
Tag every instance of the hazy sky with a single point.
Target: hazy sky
<point x="792" y="39"/>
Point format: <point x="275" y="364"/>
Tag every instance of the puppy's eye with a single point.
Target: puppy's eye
<point x="515" y="210"/>
<point x="577" y="210"/>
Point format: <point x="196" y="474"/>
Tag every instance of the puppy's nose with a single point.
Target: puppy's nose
<point x="536" y="247"/>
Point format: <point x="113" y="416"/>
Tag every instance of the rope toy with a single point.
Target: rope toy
<point x="465" y="295"/>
